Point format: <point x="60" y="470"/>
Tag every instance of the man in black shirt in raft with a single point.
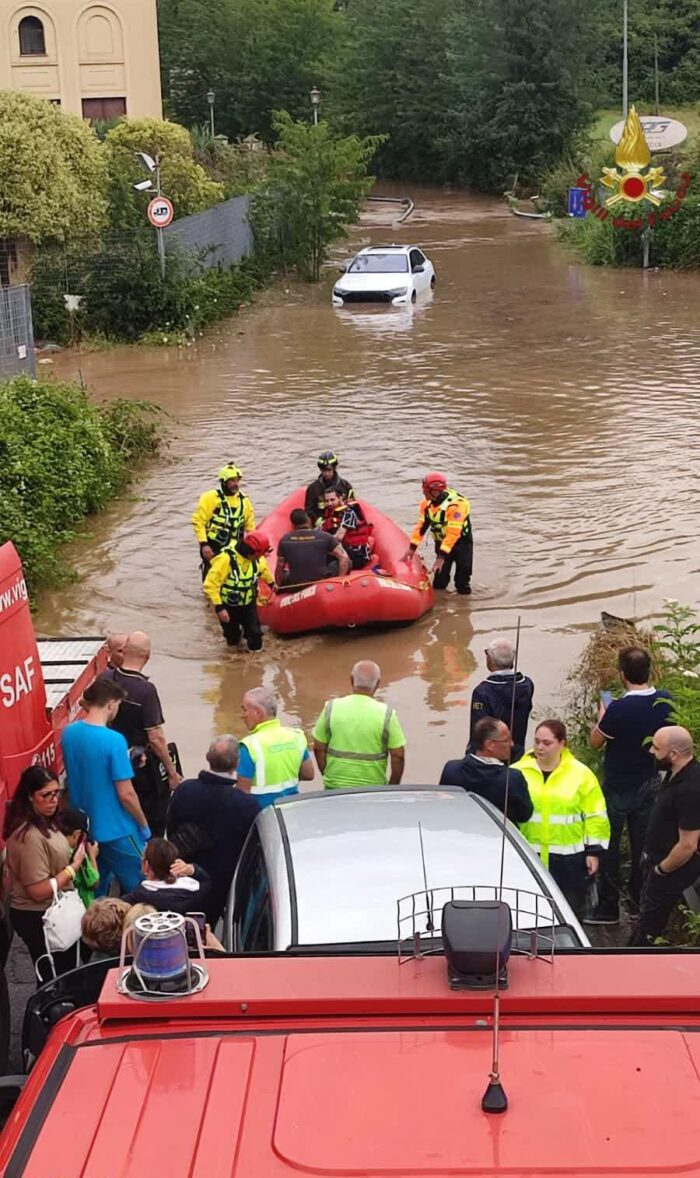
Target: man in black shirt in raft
<point x="308" y="554"/>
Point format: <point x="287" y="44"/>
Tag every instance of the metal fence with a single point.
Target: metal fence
<point x="16" y="332"/>
<point x="220" y="236"/>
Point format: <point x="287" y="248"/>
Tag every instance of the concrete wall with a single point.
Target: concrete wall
<point x="93" y="51"/>
<point x="223" y="231"/>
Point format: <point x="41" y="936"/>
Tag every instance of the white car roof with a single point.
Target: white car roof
<point x="351" y="854"/>
<point x="387" y="249"/>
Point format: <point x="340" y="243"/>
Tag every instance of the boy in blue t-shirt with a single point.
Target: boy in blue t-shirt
<point x="100" y="782"/>
<point x="625" y="728"/>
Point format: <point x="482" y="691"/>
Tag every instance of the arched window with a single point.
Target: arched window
<point x="32" y="42"/>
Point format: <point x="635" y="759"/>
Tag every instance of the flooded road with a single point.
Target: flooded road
<point x="562" y="401"/>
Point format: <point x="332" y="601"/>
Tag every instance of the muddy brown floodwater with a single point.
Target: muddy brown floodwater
<point x="562" y="400"/>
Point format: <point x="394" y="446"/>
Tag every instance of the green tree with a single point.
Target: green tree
<point x="315" y="187"/>
<point x="672" y="27"/>
<point x="52" y="175"/>
<point x="524" y="83"/>
<point x="182" y="179"/>
<point x="257" y="55"/>
<point x="396" y="75"/>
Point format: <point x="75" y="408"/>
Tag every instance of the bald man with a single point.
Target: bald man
<point x="115" y="649"/>
<point x="357" y="738"/>
<point x="670" y="862"/>
<point x="140" y="720"/>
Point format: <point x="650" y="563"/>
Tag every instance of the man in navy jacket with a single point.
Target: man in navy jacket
<point x="494" y="695"/>
<point x="485" y="771"/>
<point x="209" y="819"/>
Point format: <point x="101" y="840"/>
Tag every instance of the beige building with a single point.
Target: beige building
<point x="95" y="60"/>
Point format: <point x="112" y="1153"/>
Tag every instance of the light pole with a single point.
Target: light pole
<point x="152" y="165"/>
<point x="315" y="97"/>
<point x="625" y="72"/>
<point x="210" y="99"/>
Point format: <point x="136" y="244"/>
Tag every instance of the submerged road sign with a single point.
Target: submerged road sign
<point x="576" y="205"/>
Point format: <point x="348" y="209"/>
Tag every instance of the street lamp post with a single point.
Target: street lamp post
<point x="625" y="71"/>
<point x="210" y="99"/>
<point x="315" y="97"/>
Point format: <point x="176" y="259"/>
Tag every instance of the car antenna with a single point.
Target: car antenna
<point x="495" y="1099"/>
<point x="429" y="925"/>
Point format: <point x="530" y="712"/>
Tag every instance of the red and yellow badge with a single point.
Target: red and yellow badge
<point x="636" y="181"/>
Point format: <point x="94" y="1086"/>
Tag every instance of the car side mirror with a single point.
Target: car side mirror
<point x="418" y="269"/>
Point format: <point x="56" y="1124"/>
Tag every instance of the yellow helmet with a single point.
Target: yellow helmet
<point x="230" y="472"/>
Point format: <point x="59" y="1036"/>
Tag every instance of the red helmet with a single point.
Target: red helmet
<point x="258" y="542"/>
<point x="434" y="482"/>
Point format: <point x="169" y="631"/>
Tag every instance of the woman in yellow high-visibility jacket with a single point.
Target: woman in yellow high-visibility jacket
<point x="569" y="827"/>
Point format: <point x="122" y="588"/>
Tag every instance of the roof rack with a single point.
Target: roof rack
<point x="418" y="919"/>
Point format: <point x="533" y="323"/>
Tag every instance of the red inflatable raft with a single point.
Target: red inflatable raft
<point x="362" y="598"/>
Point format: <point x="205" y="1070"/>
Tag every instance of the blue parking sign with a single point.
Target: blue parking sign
<point x="576" y="206"/>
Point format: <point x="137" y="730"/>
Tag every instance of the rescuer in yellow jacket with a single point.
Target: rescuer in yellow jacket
<point x="232" y="587"/>
<point x="445" y="513"/>
<point x="222" y="515"/>
<point x="569" y="827"/>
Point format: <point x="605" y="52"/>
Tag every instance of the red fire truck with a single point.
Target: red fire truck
<point x="358" y="1066"/>
<point x="41" y="682"/>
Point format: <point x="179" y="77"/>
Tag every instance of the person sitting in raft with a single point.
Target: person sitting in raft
<point x="345" y="520"/>
<point x="328" y="480"/>
<point x="308" y="554"/>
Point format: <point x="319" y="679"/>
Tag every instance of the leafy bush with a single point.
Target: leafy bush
<point x="62" y="456"/>
<point x="599" y="243"/>
<point x="52" y="172"/>
<point x="674" y="646"/>
<point x="240" y="167"/>
<point x="183" y="180"/>
<point x="123" y="294"/>
<point x="675" y="243"/>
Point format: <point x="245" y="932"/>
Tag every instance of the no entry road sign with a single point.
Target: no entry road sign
<point x="160" y="212"/>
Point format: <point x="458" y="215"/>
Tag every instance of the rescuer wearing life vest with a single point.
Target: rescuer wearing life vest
<point x="222" y="515"/>
<point x="328" y="480"/>
<point x="445" y="513"/>
<point x="232" y="587"/>
<point x="345" y="520"/>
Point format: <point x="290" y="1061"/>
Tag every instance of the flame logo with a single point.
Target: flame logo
<point x="633" y="153"/>
<point x="633" y="156"/>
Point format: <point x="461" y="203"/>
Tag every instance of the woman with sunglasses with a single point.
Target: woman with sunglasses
<point x="569" y="828"/>
<point x="37" y="852"/>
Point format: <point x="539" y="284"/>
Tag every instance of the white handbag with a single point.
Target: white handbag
<point x="63" y="920"/>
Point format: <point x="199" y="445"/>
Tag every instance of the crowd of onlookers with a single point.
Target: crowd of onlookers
<point x="131" y="823"/>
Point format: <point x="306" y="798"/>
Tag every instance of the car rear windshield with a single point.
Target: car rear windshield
<point x="379" y="264"/>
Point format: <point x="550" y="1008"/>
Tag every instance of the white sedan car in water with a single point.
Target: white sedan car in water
<point x="395" y="274"/>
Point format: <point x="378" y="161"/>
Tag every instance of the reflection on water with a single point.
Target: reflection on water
<point x="561" y="400"/>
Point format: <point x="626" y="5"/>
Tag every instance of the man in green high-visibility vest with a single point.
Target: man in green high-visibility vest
<point x="357" y="738"/>
<point x="272" y="759"/>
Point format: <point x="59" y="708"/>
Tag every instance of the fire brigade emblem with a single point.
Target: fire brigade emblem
<point x="635" y="181"/>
